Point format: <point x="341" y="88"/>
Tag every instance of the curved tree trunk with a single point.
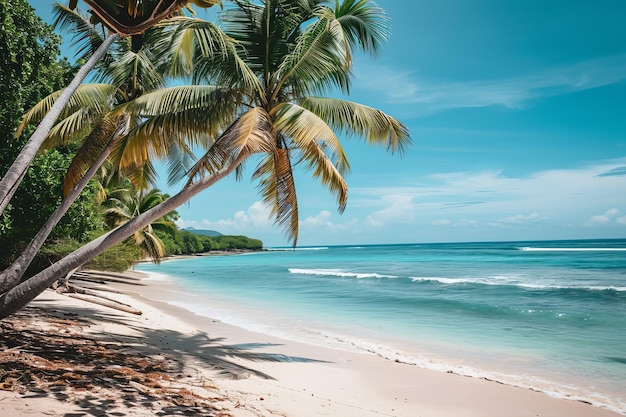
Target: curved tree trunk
<point x="11" y="276"/>
<point x="20" y="295"/>
<point x="13" y="176"/>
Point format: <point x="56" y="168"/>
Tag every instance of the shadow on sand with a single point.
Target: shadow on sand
<point x="45" y="352"/>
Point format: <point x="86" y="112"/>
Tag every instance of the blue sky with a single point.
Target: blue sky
<point x="517" y="112"/>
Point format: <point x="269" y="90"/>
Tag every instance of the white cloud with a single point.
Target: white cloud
<point x="255" y="218"/>
<point x="466" y="223"/>
<point x="322" y="219"/>
<point x="399" y="207"/>
<point x="565" y="197"/>
<point x="404" y="87"/>
<point x="610" y="217"/>
<point x="446" y="206"/>
<point x="518" y="220"/>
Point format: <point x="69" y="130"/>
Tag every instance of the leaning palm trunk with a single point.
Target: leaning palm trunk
<point x="251" y="133"/>
<point x="20" y="295"/>
<point x="13" y="177"/>
<point x="11" y="276"/>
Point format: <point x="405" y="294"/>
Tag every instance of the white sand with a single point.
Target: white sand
<point x="260" y="375"/>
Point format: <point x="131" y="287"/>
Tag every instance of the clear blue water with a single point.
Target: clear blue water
<point x="546" y="315"/>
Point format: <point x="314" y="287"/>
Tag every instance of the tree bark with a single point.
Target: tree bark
<point x="11" y="276"/>
<point x="20" y="295"/>
<point x="13" y="176"/>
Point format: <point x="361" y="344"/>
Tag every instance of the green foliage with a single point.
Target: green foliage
<point x="117" y="259"/>
<point x="237" y="242"/>
<point x="36" y="198"/>
<point x="40" y="194"/>
<point x="184" y="242"/>
<point x="29" y="69"/>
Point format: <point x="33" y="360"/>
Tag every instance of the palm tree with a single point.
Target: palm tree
<point x="295" y="51"/>
<point x="88" y="110"/>
<point x="121" y="17"/>
<point x="289" y="51"/>
<point x="125" y="202"/>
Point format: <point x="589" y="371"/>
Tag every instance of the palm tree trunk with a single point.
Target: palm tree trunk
<point x="23" y="293"/>
<point x="13" y="176"/>
<point x="11" y="276"/>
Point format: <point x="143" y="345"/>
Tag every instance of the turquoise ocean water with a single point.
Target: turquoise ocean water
<point x="550" y="316"/>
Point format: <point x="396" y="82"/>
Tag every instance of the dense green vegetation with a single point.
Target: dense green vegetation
<point x="29" y="70"/>
<point x="184" y="242"/>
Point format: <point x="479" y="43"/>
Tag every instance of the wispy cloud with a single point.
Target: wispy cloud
<point x="428" y="96"/>
<point x="614" y="171"/>
<point x="610" y="217"/>
<point x="256" y="217"/>
<point x="567" y="196"/>
<point x="518" y="220"/>
<point x="458" y="206"/>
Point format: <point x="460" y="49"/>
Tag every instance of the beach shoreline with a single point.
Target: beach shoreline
<point x="256" y="374"/>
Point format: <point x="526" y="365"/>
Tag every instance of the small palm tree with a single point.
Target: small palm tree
<point x="125" y="202"/>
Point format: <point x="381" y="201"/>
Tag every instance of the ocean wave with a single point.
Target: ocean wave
<point x="550" y="388"/>
<point x="539" y="249"/>
<point x="338" y="273"/>
<point x="289" y="248"/>
<point x="508" y="281"/>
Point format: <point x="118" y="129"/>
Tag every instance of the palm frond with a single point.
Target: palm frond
<point x="365" y="26"/>
<point x="153" y="246"/>
<point x="318" y="57"/>
<point x="202" y="49"/>
<point x="251" y="133"/>
<point x="352" y="118"/>
<point x="86" y="37"/>
<point x="191" y="36"/>
<point x="278" y="189"/>
<point x="135" y="73"/>
<point x="304" y="126"/>
<point x="266" y="32"/>
<point x="96" y="97"/>
<point x="186" y="115"/>
<point x="100" y="138"/>
<point x="143" y="176"/>
<point x="320" y="149"/>
<point x="180" y="160"/>
<point x="173" y="99"/>
<point x="71" y="128"/>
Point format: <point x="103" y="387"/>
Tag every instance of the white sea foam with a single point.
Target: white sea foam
<point x="556" y="390"/>
<point x="500" y="280"/>
<point x="301" y="332"/>
<point x="338" y="273"/>
<point x="316" y="248"/>
<point x="286" y="248"/>
<point x="155" y="276"/>
<point x="534" y="249"/>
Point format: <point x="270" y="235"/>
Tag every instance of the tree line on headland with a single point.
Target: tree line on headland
<point x="78" y="182"/>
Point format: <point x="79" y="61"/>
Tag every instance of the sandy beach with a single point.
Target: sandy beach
<point x="178" y="363"/>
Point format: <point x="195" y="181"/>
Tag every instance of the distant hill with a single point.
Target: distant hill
<point x="211" y="233"/>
